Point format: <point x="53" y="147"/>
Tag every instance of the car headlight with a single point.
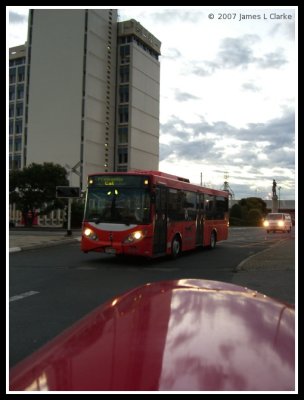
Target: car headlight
<point x="90" y="234"/>
<point x="281" y="223"/>
<point x="135" y="236"/>
<point x="266" y="223"/>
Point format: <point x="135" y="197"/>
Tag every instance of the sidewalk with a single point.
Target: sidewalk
<point x="33" y="239"/>
<point x="279" y="256"/>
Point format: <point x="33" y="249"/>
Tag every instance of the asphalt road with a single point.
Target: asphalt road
<point x="51" y="288"/>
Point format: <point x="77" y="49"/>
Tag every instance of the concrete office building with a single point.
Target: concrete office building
<point x="92" y="99"/>
<point x="138" y="98"/>
<point x="17" y="74"/>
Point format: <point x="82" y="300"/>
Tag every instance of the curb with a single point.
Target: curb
<point x="45" y="244"/>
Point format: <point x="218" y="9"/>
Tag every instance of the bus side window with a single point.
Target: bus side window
<point x="209" y="206"/>
<point x="190" y="206"/>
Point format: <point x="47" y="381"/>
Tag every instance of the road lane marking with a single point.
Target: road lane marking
<point x="14" y="249"/>
<point x="23" y="295"/>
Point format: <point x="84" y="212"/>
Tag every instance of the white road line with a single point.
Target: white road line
<point x="14" y="249"/>
<point x="23" y="295"/>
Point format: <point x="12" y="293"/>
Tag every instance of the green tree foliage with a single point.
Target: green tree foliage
<point x="254" y="217"/>
<point x="254" y="202"/>
<point x="253" y="210"/>
<point x="34" y="188"/>
<point x="235" y="215"/>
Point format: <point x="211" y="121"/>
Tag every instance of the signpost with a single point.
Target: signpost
<point x="68" y="192"/>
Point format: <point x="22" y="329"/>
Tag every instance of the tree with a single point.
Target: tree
<point x="253" y="209"/>
<point x="254" y="202"/>
<point x="34" y="188"/>
<point x="254" y="217"/>
<point x="235" y="215"/>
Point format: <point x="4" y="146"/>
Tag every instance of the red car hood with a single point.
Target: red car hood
<point x="181" y="335"/>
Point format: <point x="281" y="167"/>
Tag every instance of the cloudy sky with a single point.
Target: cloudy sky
<point x="228" y="93"/>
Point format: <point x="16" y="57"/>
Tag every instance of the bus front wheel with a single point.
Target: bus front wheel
<point x="176" y="247"/>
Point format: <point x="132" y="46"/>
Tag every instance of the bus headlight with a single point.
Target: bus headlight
<point x="134" y="237"/>
<point x="90" y="234"/>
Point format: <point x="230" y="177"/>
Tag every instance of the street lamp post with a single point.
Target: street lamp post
<point x="279" y="189"/>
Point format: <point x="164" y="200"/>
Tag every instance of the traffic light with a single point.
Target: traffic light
<point x="67" y="192"/>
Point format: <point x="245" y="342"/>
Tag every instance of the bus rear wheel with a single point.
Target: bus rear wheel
<point x="176" y="247"/>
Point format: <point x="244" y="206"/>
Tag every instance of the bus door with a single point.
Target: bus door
<point x="160" y="226"/>
<point x="200" y="220"/>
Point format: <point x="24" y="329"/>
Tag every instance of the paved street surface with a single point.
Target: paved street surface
<point x="278" y="256"/>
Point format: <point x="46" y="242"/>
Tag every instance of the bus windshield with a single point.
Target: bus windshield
<point x="118" y="205"/>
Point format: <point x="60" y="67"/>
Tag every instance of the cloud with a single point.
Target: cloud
<point x="272" y="60"/>
<point x="171" y="53"/>
<point x="15" y="18"/>
<point x="287" y="29"/>
<point x="251" y="87"/>
<point x="183" y="96"/>
<point x="280" y="131"/>
<point x="258" y="145"/>
<point x="176" y="15"/>
<point x="236" y="52"/>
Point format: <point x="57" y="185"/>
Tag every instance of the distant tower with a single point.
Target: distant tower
<point x="227" y="188"/>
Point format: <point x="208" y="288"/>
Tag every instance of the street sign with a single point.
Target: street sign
<point x="66" y="192"/>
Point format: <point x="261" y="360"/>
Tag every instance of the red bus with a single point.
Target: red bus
<point x="151" y="213"/>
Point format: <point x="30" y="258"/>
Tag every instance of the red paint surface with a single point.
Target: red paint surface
<point x="176" y="335"/>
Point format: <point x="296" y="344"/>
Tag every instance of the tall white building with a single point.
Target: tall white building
<point x="17" y="78"/>
<point x="92" y="93"/>
<point x="138" y="98"/>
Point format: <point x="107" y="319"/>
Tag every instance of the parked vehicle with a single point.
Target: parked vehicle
<point x="181" y="335"/>
<point x="278" y="222"/>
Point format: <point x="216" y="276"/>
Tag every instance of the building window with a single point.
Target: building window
<point x="20" y="61"/>
<point x="125" y="51"/>
<point x="20" y="91"/>
<point x="21" y="74"/>
<point x="124" y="74"/>
<point x="10" y="145"/>
<point x="123" y="134"/>
<point x="12" y="75"/>
<point x="123" y="114"/>
<point x="19" y="109"/>
<point x="124" y="94"/>
<point x="18" y="142"/>
<point x="15" y="163"/>
<point x="11" y="111"/>
<point x="122" y="155"/>
<point x="18" y="126"/>
<point x="12" y="93"/>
